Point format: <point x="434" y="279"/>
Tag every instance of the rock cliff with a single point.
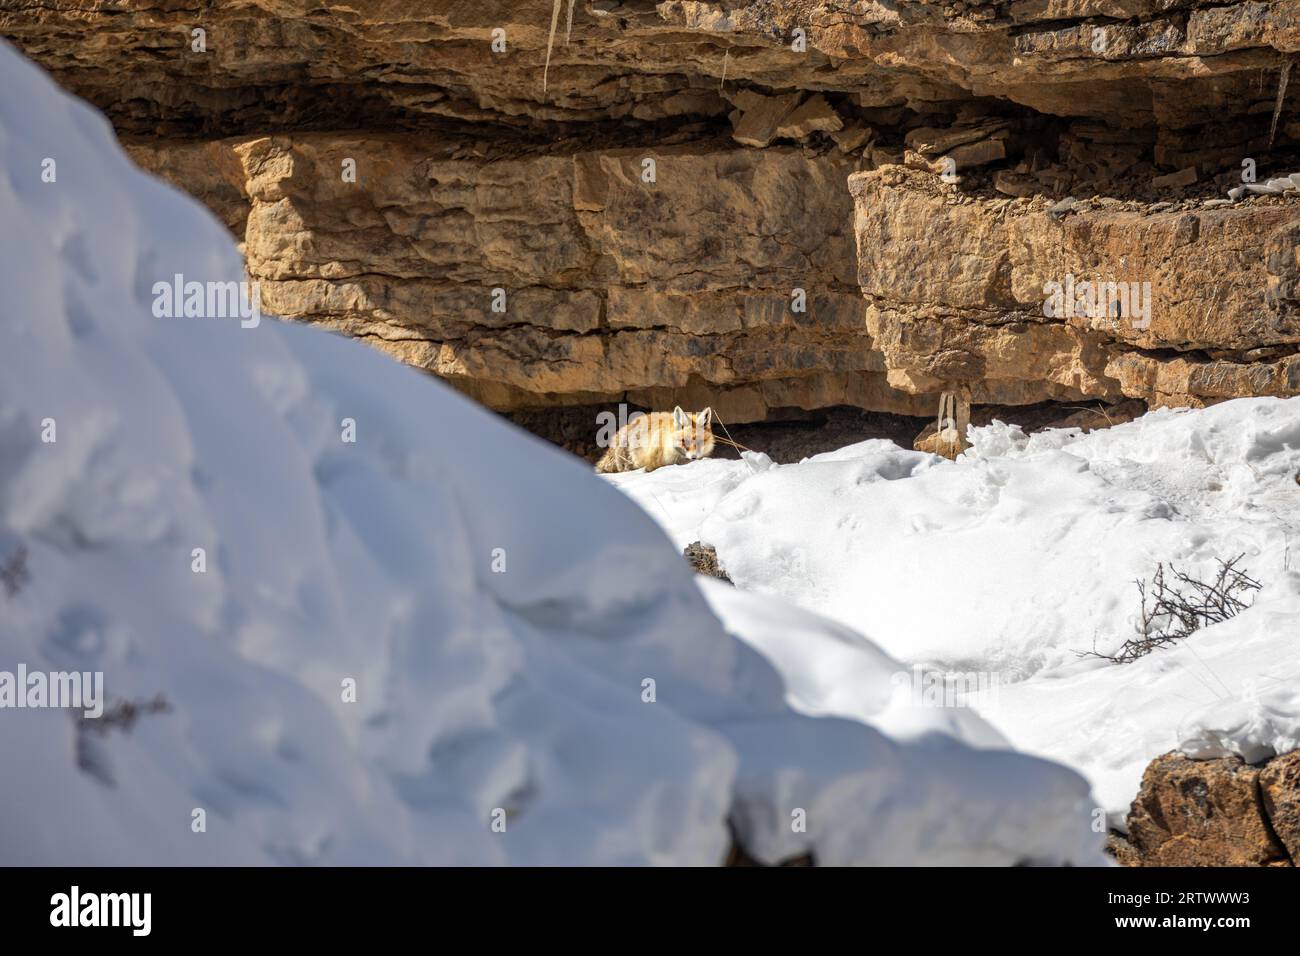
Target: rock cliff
<point x="760" y="205"/>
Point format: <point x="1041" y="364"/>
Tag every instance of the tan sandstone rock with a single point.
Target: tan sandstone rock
<point x="962" y="297"/>
<point x="1152" y="63"/>
<point x="612" y="286"/>
<point x="476" y="174"/>
<point x="1279" y="784"/>
<point x="760" y="119"/>
<point x="1202" y="813"/>
<point x="811" y="116"/>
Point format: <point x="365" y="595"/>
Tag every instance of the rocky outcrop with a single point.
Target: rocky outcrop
<point x="989" y="294"/>
<point x="1279" y="787"/>
<point x="713" y="277"/>
<point x="704" y="559"/>
<point x="1158" y="63"/>
<point x="846" y="204"/>
<point x="1221" y="812"/>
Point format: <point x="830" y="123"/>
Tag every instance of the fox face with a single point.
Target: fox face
<point x="693" y="433"/>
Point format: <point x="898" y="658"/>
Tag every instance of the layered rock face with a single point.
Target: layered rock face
<point x="562" y="277"/>
<point x="1180" y="307"/>
<point x="757" y="205"/>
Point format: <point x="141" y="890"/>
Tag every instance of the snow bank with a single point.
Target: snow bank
<point x="1015" y="559"/>
<point x="497" y="609"/>
<point x="950" y="788"/>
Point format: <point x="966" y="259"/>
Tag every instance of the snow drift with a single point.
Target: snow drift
<point x="200" y="530"/>
<point x="1022" y="555"/>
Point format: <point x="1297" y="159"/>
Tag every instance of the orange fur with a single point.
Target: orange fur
<point x="658" y="439"/>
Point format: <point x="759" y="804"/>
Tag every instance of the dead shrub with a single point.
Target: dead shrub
<point x="1172" y="610"/>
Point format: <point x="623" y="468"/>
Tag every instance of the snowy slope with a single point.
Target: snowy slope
<point x="478" y="687"/>
<point x="1023" y="553"/>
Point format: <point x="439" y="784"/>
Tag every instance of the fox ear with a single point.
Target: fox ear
<point x="679" y="417"/>
<point x="705" y="418"/>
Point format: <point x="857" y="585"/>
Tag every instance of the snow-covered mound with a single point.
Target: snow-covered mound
<point x="522" y="642"/>
<point x="1024" y="553"/>
<point x="931" y="793"/>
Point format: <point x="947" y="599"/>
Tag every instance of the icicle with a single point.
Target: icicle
<point x="550" y="41"/>
<point x="950" y="427"/>
<point x="1281" y="95"/>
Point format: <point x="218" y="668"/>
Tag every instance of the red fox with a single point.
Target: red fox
<point x="658" y="439"/>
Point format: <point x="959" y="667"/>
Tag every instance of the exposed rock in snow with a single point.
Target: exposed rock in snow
<point x="1201" y="813"/>
<point x="1279" y="787"/>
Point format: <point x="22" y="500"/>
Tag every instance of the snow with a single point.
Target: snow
<point x="377" y="565"/>
<point x="1020" y="557"/>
